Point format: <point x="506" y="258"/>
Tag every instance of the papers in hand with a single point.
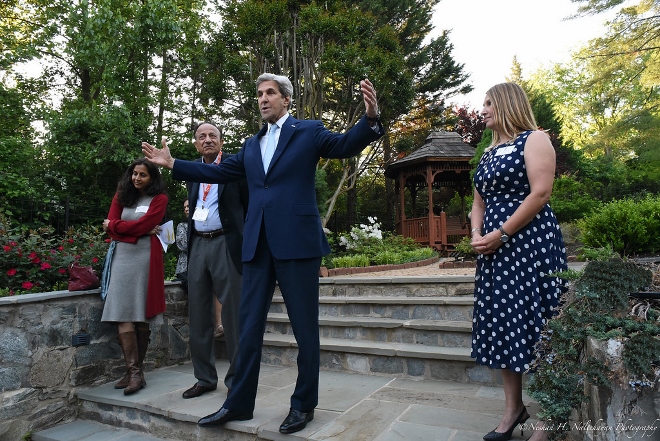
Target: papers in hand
<point x="167" y="235"/>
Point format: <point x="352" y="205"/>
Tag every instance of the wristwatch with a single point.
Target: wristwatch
<point x="376" y="119"/>
<point x="504" y="237"/>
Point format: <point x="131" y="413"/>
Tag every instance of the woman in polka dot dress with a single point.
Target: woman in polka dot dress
<point x="518" y="241"/>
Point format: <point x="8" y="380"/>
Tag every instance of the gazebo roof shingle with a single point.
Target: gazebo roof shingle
<point x="440" y="145"/>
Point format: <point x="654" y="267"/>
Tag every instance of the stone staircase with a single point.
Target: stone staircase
<point x="412" y="327"/>
<point x="407" y="338"/>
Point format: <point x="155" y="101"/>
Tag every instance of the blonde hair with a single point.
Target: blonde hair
<point x="512" y="113"/>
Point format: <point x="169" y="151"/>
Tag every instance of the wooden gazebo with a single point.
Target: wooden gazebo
<point x="440" y="168"/>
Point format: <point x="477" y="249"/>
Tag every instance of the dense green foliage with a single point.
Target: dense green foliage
<point x="571" y="199"/>
<point x="106" y="75"/>
<point x="628" y="226"/>
<point x="596" y="306"/>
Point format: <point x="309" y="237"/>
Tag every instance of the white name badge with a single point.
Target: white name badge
<point x="504" y="150"/>
<point x="200" y="214"/>
<point x="142" y="209"/>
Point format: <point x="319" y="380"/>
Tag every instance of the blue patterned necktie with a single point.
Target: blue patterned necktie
<point x="270" y="146"/>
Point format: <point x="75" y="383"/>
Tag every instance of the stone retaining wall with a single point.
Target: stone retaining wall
<point x="617" y="412"/>
<point x="41" y="369"/>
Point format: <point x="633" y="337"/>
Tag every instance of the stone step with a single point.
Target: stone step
<point x="444" y="333"/>
<point x="402" y="308"/>
<point x="414" y="286"/>
<point x="351" y="407"/>
<point x="84" y="430"/>
<point x="402" y="360"/>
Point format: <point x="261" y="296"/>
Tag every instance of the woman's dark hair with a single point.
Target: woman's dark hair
<point x="128" y="195"/>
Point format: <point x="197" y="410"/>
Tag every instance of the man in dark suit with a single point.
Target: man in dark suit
<point x="283" y="240"/>
<point x="215" y="237"/>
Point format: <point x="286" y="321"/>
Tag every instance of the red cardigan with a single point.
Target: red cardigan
<point x="130" y="232"/>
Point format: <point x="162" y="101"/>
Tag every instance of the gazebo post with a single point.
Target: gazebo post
<point x="402" y="203"/>
<point x="433" y="234"/>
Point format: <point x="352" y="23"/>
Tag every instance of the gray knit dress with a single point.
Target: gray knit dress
<point x="129" y="274"/>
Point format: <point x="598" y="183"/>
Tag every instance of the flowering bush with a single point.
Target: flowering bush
<point x="362" y="236"/>
<point x="367" y="245"/>
<point x="38" y="261"/>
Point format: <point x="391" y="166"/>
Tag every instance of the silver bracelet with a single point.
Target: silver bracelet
<point x="475" y="229"/>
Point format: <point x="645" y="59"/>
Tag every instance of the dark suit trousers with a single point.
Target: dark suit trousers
<point x="211" y="272"/>
<point x="298" y="280"/>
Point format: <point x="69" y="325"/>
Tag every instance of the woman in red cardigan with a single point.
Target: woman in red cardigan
<point x="136" y="289"/>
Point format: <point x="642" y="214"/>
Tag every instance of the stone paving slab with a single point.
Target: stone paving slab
<point x="351" y="407"/>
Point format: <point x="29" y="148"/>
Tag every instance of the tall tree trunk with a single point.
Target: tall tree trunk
<point x="390" y="195"/>
<point x="162" y="96"/>
<point x="351" y="198"/>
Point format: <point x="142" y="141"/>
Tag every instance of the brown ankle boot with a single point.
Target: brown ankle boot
<point x="143" y="332"/>
<point x="130" y="349"/>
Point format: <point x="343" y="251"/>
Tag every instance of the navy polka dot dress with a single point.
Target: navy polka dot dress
<point x="513" y="294"/>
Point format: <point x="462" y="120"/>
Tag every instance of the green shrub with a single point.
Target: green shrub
<point x="387" y="257"/>
<point x="629" y="226"/>
<point x="465" y="248"/>
<point x="588" y="253"/>
<point x="606" y="284"/>
<point x="639" y="353"/>
<point x="169" y="260"/>
<point x="354" y="260"/>
<point x="419" y="254"/>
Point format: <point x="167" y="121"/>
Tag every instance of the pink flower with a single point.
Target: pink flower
<point x="95" y="259"/>
<point x="91" y="245"/>
<point x="70" y="241"/>
<point x="27" y="285"/>
<point x="61" y="271"/>
<point x="108" y="240"/>
<point x="32" y="255"/>
<point x="11" y="272"/>
<point x="45" y="266"/>
<point x="7" y="248"/>
<point x="60" y="248"/>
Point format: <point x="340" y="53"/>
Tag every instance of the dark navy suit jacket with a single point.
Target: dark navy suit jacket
<point x="284" y="198"/>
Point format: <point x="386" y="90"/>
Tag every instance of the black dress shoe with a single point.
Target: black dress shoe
<point x="296" y="421"/>
<point x="506" y="436"/>
<point x="198" y="390"/>
<point x="223" y="416"/>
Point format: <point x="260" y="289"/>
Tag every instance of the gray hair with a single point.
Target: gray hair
<point x="286" y="88"/>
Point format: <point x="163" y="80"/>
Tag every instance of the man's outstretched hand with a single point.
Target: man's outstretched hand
<point x="370" y="100"/>
<point x="161" y="157"/>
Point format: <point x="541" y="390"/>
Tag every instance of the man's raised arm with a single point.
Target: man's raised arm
<point x="160" y="157"/>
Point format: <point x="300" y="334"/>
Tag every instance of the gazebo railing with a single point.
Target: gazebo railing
<point x="449" y="231"/>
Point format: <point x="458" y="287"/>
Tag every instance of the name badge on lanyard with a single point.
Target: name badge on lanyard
<point x="201" y="214"/>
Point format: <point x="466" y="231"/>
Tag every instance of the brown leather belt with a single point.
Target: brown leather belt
<point x="210" y="234"/>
